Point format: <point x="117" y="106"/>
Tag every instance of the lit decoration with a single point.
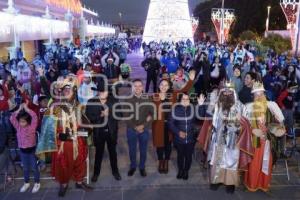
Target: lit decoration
<point x="168" y="20"/>
<point x="93" y="30"/>
<point x="216" y="17"/>
<point x="74" y="5"/>
<point x="30" y="28"/>
<point x="47" y="13"/>
<point x="291" y="9"/>
<point x="86" y="10"/>
<point x="69" y="18"/>
<point x="11" y="7"/>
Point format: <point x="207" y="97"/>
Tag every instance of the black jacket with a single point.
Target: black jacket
<point x="93" y="112"/>
<point x="112" y="71"/>
<point x="151" y="65"/>
<point x="245" y="95"/>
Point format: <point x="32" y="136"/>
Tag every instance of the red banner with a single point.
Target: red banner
<point x="290" y="12"/>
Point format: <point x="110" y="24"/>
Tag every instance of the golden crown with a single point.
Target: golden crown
<point x="229" y="85"/>
<point x="70" y="81"/>
<point x="258" y="87"/>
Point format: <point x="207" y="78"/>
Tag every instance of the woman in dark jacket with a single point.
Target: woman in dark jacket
<point x="99" y="111"/>
<point x="182" y="125"/>
<point x="162" y="137"/>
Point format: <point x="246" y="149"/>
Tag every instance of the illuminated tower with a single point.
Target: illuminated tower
<point x="168" y="20"/>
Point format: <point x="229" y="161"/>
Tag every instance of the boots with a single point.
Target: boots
<point x="161" y="166"/>
<point x="214" y="187"/>
<point x="180" y="174"/>
<point x="166" y="166"/>
<point x="230" y="189"/>
<point x="62" y="190"/>
<point x="185" y="175"/>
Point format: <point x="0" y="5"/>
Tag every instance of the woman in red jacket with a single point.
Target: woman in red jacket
<point x="286" y="102"/>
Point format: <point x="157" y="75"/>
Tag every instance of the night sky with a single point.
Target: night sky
<point x="133" y="11"/>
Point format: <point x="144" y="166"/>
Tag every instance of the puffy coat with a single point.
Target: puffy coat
<point x="183" y="119"/>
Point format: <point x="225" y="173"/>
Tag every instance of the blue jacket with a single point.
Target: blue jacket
<point x="172" y="64"/>
<point x="183" y="119"/>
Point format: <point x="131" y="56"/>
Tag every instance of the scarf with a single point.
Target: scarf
<point x="260" y="107"/>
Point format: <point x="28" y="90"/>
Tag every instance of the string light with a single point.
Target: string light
<point x="290" y="9"/>
<point x="168" y="20"/>
<point x="216" y="17"/>
<point x="30" y="27"/>
<point x="100" y="30"/>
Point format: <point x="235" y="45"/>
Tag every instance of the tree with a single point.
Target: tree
<point x="277" y="43"/>
<point x="248" y="35"/>
<point x="250" y="14"/>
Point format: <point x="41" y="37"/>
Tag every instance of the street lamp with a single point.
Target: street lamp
<point x="120" y="15"/>
<point x="298" y="26"/>
<point x="268" y="21"/>
<point x="222" y="24"/>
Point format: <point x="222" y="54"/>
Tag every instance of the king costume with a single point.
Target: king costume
<point x="267" y="125"/>
<point x="59" y="136"/>
<point x="229" y="148"/>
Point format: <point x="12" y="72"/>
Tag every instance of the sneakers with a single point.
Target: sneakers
<point x="25" y="187"/>
<point x="36" y="188"/>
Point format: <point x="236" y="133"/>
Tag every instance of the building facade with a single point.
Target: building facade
<point x="32" y="24"/>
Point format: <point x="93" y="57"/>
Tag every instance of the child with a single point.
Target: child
<point x="25" y="122"/>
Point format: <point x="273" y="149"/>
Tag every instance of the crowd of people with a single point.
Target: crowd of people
<point x="237" y="104"/>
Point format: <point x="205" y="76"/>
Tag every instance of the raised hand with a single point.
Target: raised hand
<point x="149" y="118"/>
<point x="192" y="75"/>
<point x="20" y="88"/>
<point x="40" y="71"/>
<point x="201" y="99"/>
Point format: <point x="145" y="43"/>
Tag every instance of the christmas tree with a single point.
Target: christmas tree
<point x="168" y="20"/>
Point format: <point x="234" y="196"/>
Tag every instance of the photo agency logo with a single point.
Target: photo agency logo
<point x="124" y="108"/>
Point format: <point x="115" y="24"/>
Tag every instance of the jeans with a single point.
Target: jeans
<point x="184" y="156"/>
<point x="133" y="138"/>
<point x="29" y="162"/>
